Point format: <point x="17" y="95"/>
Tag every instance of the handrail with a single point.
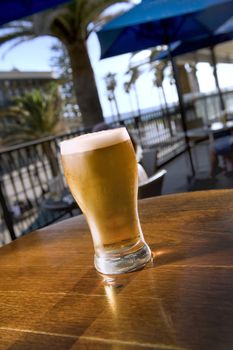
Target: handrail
<point x="42" y="140"/>
<point x="28" y="169"/>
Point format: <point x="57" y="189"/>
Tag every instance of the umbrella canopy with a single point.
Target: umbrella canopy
<point x="156" y="22"/>
<point x="11" y="10"/>
<point x="180" y="48"/>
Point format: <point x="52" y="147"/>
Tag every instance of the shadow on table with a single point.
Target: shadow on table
<point x="165" y="254"/>
<point x="54" y="208"/>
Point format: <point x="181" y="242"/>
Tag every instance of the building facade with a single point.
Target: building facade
<point x="15" y="83"/>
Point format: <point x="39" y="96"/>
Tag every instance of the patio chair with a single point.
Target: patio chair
<point x="197" y="133"/>
<point x="153" y="186"/>
<point x="149" y="160"/>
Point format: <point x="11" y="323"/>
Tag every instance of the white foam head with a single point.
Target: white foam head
<point x="95" y="140"/>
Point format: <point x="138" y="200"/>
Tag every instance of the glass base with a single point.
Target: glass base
<point x="123" y="261"/>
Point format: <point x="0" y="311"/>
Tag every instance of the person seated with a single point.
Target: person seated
<point x="142" y="175"/>
<point x="100" y="127"/>
<point x="222" y="146"/>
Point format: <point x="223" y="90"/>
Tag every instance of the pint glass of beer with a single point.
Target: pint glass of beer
<point x="101" y="171"/>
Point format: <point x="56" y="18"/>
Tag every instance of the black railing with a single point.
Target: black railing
<point x="157" y="130"/>
<point x="28" y="172"/>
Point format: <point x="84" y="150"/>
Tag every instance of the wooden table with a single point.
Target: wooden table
<point x="51" y="297"/>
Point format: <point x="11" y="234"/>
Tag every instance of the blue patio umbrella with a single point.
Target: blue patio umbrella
<point x="156" y="22"/>
<point x="11" y="10"/>
<point x="182" y="47"/>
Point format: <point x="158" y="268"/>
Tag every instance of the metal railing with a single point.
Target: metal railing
<point x="27" y="174"/>
<point x="159" y="130"/>
<point x="27" y="171"/>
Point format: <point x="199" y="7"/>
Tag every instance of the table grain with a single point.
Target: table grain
<point x="51" y="297"/>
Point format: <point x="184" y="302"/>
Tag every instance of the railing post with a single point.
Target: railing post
<point x="7" y="215"/>
<point x="137" y="126"/>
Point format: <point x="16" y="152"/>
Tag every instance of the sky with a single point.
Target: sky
<point x="36" y="55"/>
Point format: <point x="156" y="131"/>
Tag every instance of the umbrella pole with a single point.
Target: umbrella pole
<point x="182" y="108"/>
<point x="214" y="64"/>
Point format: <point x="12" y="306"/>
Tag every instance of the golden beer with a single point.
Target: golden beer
<point x="101" y="171"/>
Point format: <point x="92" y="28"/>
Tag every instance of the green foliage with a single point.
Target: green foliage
<point x="32" y="116"/>
<point x="158" y="67"/>
<point x="110" y="81"/>
<point x="72" y="24"/>
<point x="134" y="74"/>
<point x="61" y="63"/>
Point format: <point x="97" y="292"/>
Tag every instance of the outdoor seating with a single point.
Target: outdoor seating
<point x="44" y="218"/>
<point x="53" y="209"/>
<point x="221" y="151"/>
<point x="149" y="160"/>
<point x="116" y="176"/>
<point x="166" y="125"/>
<point x="153" y="186"/>
<point x="64" y="203"/>
<point x="195" y="128"/>
<point x="196" y="133"/>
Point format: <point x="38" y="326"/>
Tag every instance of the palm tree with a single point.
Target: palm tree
<point x="111" y="84"/>
<point x="33" y="116"/>
<point x="61" y="63"/>
<point x="71" y="24"/>
<point x="134" y="74"/>
<point x="158" y="69"/>
<point x="127" y="88"/>
<point x="110" y="100"/>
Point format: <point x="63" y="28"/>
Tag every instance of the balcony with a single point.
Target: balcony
<point x="30" y="171"/>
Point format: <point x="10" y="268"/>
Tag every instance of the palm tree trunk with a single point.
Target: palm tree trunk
<point x="116" y="105"/>
<point x="131" y="102"/>
<point x="84" y="84"/>
<point x="137" y="100"/>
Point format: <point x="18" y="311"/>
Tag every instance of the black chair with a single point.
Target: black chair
<point x="153" y="186"/>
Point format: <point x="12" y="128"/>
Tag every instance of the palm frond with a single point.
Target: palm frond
<point x="34" y="115"/>
<point x="17" y="23"/>
<point x="153" y="54"/>
<point x="16" y="43"/>
<point x="62" y="29"/>
<point x="92" y="12"/>
<point x="4" y="38"/>
<point x="77" y="7"/>
<point x="99" y="22"/>
<point x="43" y="21"/>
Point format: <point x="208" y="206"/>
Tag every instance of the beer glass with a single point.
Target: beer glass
<point x="101" y="171"/>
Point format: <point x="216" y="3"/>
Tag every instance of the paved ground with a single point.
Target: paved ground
<point x="179" y="171"/>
